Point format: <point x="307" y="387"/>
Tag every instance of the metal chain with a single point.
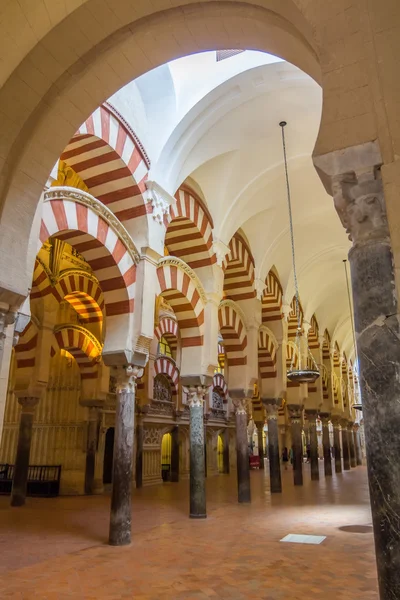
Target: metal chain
<point x="296" y="287"/>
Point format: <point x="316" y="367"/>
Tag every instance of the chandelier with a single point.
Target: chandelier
<point x="307" y="370"/>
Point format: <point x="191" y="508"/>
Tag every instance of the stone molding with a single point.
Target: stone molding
<point x="86" y="332"/>
<point x="86" y="199"/>
<point x="108" y="106"/>
<point x="160" y="201"/>
<point x="221" y="251"/>
<point x="173" y="261"/>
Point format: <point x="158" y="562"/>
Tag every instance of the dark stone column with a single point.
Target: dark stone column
<point x="20" y="480"/>
<point x="226" y="451"/>
<point x="295" y="413"/>
<point x="206" y="416"/>
<point x="242" y="450"/>
<point x="197" y="458"/>
<point x="175" y="454"/>
<point x="360" y="202"/>
<point x="260" y="435"/>
<point x="312" y="427"/>
<point x="121" y="513"/>
<point x="139" y="431"/>
<point x="326" y="444"/>
<point x="272" y="407"/>
<point x="92" y="442"/>
<point x="358" y="445"/>
<point x="336" y="444"/>
<point x="352" y="447"/>
<point x="345" y="445"/>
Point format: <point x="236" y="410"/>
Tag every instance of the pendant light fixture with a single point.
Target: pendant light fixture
<point x="307" y="370"/>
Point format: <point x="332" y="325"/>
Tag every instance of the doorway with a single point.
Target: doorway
<point x="220" y="454"/>
<point x="166" y="450"/>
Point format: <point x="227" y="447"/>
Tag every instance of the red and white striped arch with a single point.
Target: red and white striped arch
<point x="267" y="350"/>
<point x="168" y="328"/>
<point x="84" y="294"/>
<point x="292" y="360"/>
<point x="272" y="299"/>
<point x="220" y="383"/>
<point x="313" y="334"/>
<point x="100" y="245"/>
<point x="107" y="156"/>
<point x="326" y="354"/>
<point x="233" y="332"/>
<point x="25" y="350"/>
<point x="293" y="318"/>
<point x="165" y="366"/>
<point x="336" y="355"/>
<point x="239" y="270"/>
<point x="184" y="294"/>
<point x="189" y="233"/>
<point x="82" y="347"/>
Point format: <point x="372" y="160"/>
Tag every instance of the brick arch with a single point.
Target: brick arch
<point x="169" y="329"/>
<point x="313" y="334"/>
<point x="189" y="234"/>
<point x="85" y="349"/>
<point x="82" y="221"/>
<point x="267" y="349"/>
<point x="233" y="331"/>
<point x="25" y="350"/>
<point x="109" y="158"/>
<point x="292" y="320"/>
<point x="184" y="293"/>
<point x="336" y="355"/>
<point x="239" y="270"/>
<point x="272" y="298"/>
<point x="220" y="383"/>
<point x="165" y="366"/>
<point x="83" y="292"/>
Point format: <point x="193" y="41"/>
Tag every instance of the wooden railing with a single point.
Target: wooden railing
<point x="43" y="480"/>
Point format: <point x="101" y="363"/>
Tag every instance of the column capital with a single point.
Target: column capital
<point x="196" y="395"/>
<point x="240" y="405"/>
<point x="311" y="413"/>
<point x="335" y="420"/>
<point x="272" y="411"/>
<point x="126" y="377"/>
<point x="356" y="427"/>
<point x="325" y="418"/>
<point x="28" y="403"/>
<point x="344" y="423"/>
<point x="295" y="412"/>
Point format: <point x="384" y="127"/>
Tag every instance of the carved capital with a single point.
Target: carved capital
<point x="240" y="405"/>
<point x="28" y="403"/>
<point x="335" y="420"/>
<point x="126" y="378"/>
<point x="344" y="423"/>
<point x="325" y="418"/>
<point x="295" y="412"/>
<point x="195" y="395"/>
<point x="311" y="415"/>
<point x="360" y="204"/>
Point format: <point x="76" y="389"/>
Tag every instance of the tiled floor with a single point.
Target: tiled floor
<point x="56" y="548"/>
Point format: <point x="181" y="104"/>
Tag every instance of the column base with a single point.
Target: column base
<point x="119" y="541"/>
<point x="17" y="501"/>
<point x="197" y="516"/>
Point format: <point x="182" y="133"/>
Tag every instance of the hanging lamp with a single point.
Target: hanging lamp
<point x="307" y="370"/>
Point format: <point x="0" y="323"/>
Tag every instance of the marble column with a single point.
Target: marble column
<point x="206" y="416"/>
<point x="242" y="450"/>
<point x="20" y="479"/>
<point x="357" y="444"/>
<point x="175" y="454"/>
<point x="354" y="178"/>
<point x="91" y="442"/>
<point x="312" y="427"/>
<point x="197" y="458"/>
<point x="260" y="437"/>
<point x="352" y="447"/>
<point x="226" y="438"/>
<point x="121" y="501"/>
<point x="326" y="444"/>
<point x="336" y="444"/>
<point x="141" y="412"/>
<point x="345" y="445"/>
<point x="295" y="414"/>
<point x="272" y="407"/>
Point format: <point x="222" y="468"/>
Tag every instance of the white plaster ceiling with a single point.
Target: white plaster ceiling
<point x="223" y="132"/>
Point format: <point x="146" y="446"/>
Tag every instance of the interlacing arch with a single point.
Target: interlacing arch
<point x="189" y="233"/>
<point x="165" y="366"/>
<point x="168" y="328"/>
<point x="83" y="292"/>
<point x="183" y="291"/>
<point x="108" y="157"/>
<point x="272" y="299"/>
<point x="233" y="331"/>
<point x="239" y="270"/>
<point x="267" y="349"/>
<point x="293" y="318"/>
<point x="95" y="234"/>
<point x="83" y="346"/>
